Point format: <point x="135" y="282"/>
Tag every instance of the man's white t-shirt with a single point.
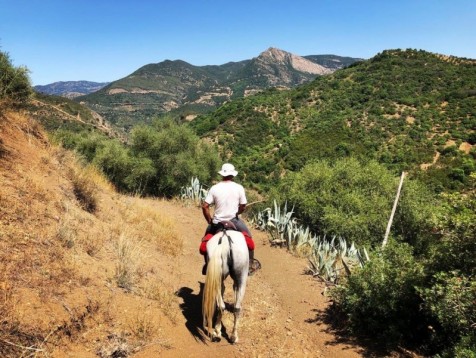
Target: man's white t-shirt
<point x="227" y="196"/>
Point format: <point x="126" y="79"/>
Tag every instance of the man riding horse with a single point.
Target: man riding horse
<point x="230" y="201"/>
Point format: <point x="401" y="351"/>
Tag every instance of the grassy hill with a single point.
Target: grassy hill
<point x="332" y="61"/>
<point x="81" y="261"/>
<point x="411" y="110"/>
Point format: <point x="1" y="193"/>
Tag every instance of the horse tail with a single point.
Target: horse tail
<point x="213" y="286"/>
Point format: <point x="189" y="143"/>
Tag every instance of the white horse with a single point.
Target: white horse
<point x="227" y="255"/>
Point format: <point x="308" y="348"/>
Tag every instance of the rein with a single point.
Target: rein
<point x="230" y="241"/>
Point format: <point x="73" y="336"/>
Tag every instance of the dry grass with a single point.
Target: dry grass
<point x="64" y="235"/>
<point x="85" y="189"/>
<point x="145" y="331"/>
<point x="115" y="346"/>
<point x="142" y="327"/>
<point x="164" y="296"/>
<point x="129" y="254"/>
<point x="148" y="224"/>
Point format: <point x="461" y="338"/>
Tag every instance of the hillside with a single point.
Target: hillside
<point x="188" y="90"/>
<point x="70" y="89"/>
<point x="411" y="110"/>
<point x="87" y="272"/>
<point x="59" y="113"/>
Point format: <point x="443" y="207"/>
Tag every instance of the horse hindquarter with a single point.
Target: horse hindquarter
<point x="228" y="253"/>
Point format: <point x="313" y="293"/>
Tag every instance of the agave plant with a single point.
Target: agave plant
<point x="333" y="259"/>
<point x="278" y="223"/>
<point x="195" y="193"/>
<point x="260" y="219"/>
<point x="328" y="259"/>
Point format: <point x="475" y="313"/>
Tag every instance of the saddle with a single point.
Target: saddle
<point x="224" y="225"/>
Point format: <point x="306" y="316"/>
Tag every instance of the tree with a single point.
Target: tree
<point x="177" y="155"/>
<point x="14" y="81"/>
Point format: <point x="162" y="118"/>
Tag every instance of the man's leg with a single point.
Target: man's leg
<point x="240" y="225"/>
<point x="210" y="231"/>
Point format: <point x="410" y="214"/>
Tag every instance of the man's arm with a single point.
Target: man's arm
<point x="206" y="212"/>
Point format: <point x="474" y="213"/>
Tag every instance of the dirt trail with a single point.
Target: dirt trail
<point x="279" y="311"/>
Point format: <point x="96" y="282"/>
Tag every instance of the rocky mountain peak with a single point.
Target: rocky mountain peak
<point x="277" y="56"/>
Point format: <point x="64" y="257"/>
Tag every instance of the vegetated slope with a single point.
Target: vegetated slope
<point x="54" y="112"/>
<point x="411" y="110"/>
<point x="86" y="272"/>
<point x="70" y="89"/>
<point x="188" y="90"/>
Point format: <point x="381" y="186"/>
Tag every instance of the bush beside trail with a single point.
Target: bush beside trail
<point x="158" y="161"/>
<point x="352" y="199"/>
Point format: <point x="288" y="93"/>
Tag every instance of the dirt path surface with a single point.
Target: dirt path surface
<point x="279" y="311"/>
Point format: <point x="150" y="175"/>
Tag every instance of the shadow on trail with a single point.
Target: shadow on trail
<point x="192" y="311"/>
<point x="335" y="322"/>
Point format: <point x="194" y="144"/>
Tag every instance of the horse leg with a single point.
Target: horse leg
<point x="239" y="289"/>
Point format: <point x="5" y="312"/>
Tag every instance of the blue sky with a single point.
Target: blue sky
<point x="105" y="40"/>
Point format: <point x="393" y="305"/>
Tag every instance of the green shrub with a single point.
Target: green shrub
<point x="177" y="155"/>
<point x="457" y="229"/>
<point x="15" y="84"/>
<point x="159" y="160"/>
<point x="89" y="144"/>
<point x="354" y="200"/>
<point x="465" y="348"/>
<point x="380" y="300"/>
<point x="115" y="161"/>
<point x="451" y="299"/>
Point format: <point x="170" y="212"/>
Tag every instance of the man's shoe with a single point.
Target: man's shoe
<point x="255" y="265"/>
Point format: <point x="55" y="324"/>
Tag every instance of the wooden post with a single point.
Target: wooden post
<point x="389" y="225"/>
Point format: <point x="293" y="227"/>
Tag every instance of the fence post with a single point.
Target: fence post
<point x="389" y="225"/>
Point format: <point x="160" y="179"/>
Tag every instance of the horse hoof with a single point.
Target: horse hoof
<point x="234" y="339"/>
<point x="216" y="339"/>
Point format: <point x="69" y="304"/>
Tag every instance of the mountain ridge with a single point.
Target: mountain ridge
<point x="189" y="90"/>
<point x="70" y="89"/>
